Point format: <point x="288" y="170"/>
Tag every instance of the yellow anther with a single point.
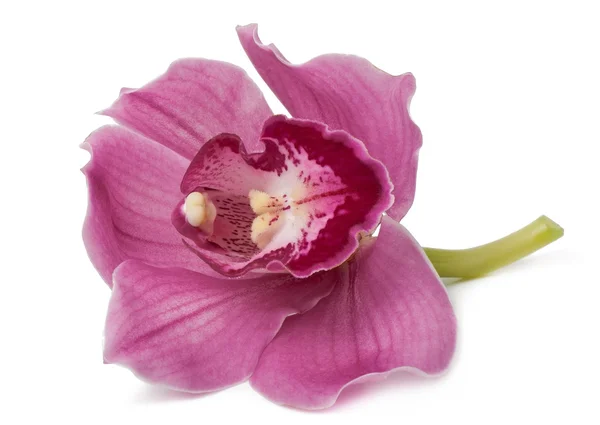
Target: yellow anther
<point x="262" y="202"/>
<point x="270" y="212"/>
<point x="264" y="228"/>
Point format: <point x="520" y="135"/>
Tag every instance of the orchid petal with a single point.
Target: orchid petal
<point x="198" y="333"/>
<point x="388" y="311"/>
<point x="329" y="188"/>
<point x="193" y="101"/>
<point x="349" y="93"/>
<point x="133" y="183"/>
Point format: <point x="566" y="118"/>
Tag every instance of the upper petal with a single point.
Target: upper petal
<point x="193" y="101"/>
<point x="132" y="185"/>
<point x="348" y="92"/>
<point x="388" y="310"/>
<point x="326" y="188"/>
<point x="196" y="333"/>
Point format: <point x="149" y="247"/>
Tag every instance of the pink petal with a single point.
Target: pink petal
<point x="348" y="92"/>
<point x="133" y="183"/>
<point x="343" y="192"/>
<point x="388" y="310"/>
<point x="195" y="100"/>
<point x="198" y="333"/>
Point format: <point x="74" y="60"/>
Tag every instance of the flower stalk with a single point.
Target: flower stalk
<point x="481" y="260"/>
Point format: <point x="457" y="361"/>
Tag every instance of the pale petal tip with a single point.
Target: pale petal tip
<point x="250" y="26"/>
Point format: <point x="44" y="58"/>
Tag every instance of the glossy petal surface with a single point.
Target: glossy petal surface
<point x="348" y="92"/>
<point x="132" y="185"/>
<point x="328" y="189"/>
<point x="195" y="100"/>
<point x="196" y="333"/>
<point x="388" y="310"/>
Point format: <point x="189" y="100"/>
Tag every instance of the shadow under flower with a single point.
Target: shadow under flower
<point x="396" y="381"/>
<point x="155" y="394"/>
<point x="546" y="259"/>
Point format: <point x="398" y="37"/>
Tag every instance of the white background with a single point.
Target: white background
<point x="508" y="102"/>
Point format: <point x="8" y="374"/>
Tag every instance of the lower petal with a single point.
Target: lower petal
<point x="197" y="333"/>
<point x="389" y="310"/>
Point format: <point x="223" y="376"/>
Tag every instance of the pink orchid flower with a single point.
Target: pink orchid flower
<point x="200" y="183"/>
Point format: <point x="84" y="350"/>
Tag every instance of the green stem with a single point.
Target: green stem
<point x="474" y="262"/>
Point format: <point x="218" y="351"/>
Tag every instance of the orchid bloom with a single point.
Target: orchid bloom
<point x="214" y="221"/>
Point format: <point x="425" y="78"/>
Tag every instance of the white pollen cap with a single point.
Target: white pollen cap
<point x="195" y="209"/>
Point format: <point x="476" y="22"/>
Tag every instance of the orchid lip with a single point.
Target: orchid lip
<point x="299" y="205"/>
